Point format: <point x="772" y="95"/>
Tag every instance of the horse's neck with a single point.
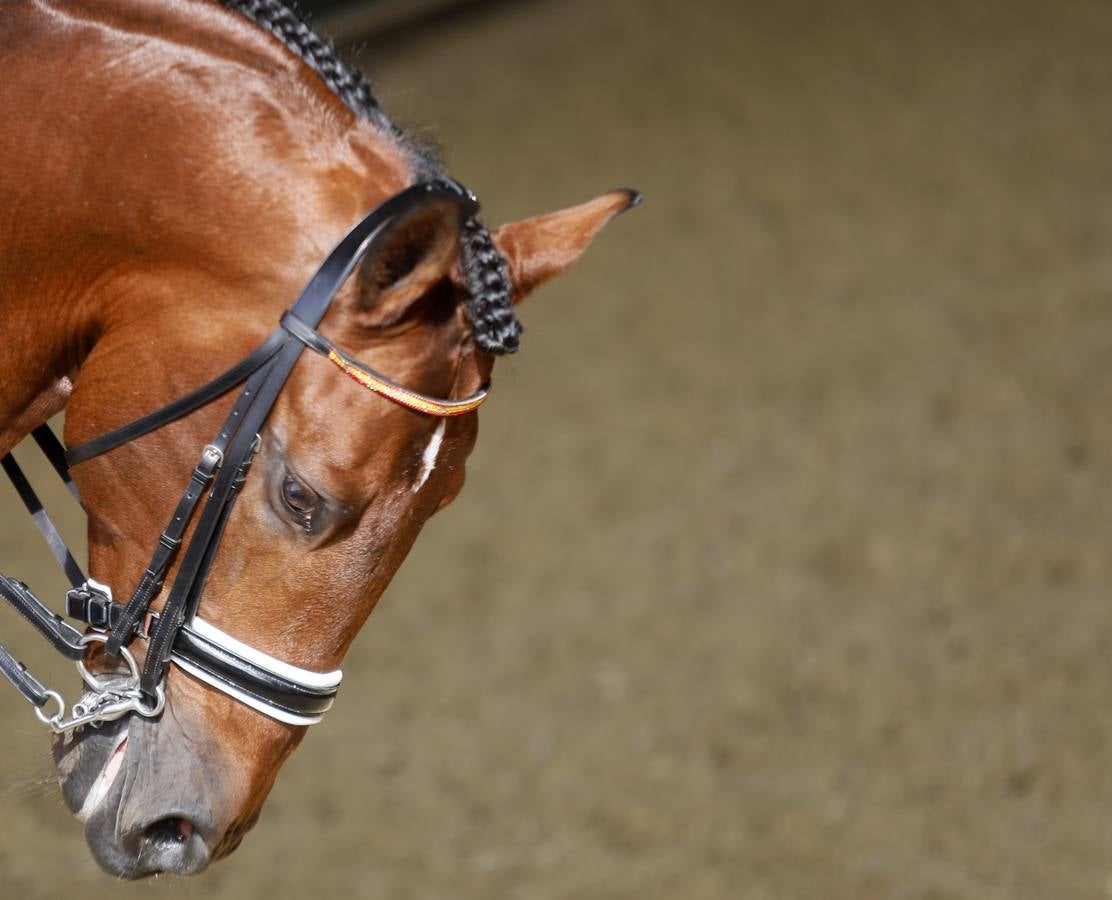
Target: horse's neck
<point x="158" y="196"/>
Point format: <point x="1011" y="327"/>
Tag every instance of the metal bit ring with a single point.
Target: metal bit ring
<point x="93" y="681"/>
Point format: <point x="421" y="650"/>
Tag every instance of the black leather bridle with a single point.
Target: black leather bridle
<point x="176" y="633"/>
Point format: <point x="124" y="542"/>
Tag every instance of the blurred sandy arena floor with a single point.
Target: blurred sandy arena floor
<point x="783" y="566"/>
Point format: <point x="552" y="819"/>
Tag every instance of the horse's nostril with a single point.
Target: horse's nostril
<point x="172" y="845"/>
<point x="173" y="830"/>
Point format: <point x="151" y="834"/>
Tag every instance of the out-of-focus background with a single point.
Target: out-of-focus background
<point x="782" y="570"/>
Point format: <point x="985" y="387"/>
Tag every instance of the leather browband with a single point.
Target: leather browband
<point x="380" y="384"/>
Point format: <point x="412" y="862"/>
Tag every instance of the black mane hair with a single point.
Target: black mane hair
<point x="490" y="295"/>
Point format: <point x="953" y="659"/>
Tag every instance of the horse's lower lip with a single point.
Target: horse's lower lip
<point x="104" y="780"/>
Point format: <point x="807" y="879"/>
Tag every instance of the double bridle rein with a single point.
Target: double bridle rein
<point x="176" y="633"/>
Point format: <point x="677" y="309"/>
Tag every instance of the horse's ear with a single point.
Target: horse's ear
<point x="413" y="256"/>
<point x="537" y="249"/>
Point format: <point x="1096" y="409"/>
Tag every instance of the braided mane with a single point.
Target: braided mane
<point x="490" y="295"/>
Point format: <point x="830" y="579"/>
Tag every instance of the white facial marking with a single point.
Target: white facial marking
<point x="428" y="458"/>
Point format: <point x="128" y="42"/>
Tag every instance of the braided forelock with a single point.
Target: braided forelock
<point x="490" y="304"/>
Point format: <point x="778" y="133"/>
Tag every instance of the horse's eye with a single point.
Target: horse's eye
<point x="300" y="501"/>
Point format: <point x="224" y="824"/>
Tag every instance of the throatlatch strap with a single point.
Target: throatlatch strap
<point x="174" y="410"/>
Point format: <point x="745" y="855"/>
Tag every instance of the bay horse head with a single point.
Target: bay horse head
<point x="172" y="201"/>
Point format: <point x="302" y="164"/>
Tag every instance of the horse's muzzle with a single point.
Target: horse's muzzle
<point x="132" y="828"/>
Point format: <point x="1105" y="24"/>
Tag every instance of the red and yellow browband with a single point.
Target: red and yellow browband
<point x="373" y="381"/>
<point x="383" y="386"/>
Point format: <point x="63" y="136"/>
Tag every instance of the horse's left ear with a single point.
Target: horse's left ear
<point x="537" y="249"/>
